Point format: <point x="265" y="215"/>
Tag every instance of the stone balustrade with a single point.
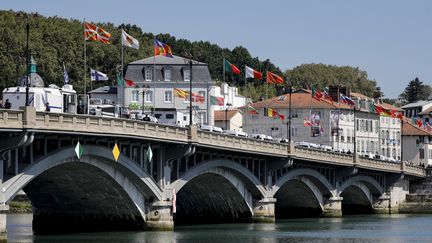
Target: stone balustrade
<point x="102" y="126"/>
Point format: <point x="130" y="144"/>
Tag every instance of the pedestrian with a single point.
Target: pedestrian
<point x="7" y="104"/>
<point x="47" y="109"/>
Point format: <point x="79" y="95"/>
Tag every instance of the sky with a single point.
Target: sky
<point x="390" y="39"/>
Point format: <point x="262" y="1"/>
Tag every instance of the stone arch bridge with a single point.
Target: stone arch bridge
<point x="193" y="176"/>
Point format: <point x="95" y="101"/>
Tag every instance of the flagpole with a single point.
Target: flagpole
<point x="85" y="61"/>
<point x="154" y="78"/>
<point x="122" y="94"/>
<point x="246" y="102"/>
<point x="310" y="118"/>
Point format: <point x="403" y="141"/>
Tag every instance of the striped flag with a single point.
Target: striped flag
<point x="97" y="76"/>
<point x="161" y="48"/>
<point x="252" y="73"/>
<point x="214" y="100"/>
<point x="181" y="93"/>
<point x="274" y="79"/>
<point x="95" y="33"/>
<point x="231" y="67"/>
<point x="65" y="75"/>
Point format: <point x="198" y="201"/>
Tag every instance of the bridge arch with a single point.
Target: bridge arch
<point x="358" y="193"/>
<point x="61" y="187"/>
<point x="222" y="185"/>
<point x="301" y="192"/>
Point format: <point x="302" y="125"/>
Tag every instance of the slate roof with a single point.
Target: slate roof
<point x="135" y="71"/>
<point x="417" y="104"/>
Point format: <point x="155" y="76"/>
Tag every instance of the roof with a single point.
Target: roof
<point x="104" y="90"/>
<point x="299" y="100"/>
<point x="157" y="66"/>
<point x="220" y="115"/>
<point x="426" y="112"/>
<point x="417" y="104"/>
<point x="410" y="129"/>
<point x="361" y="96"/>
<point x="390" y="107"/>
<point x="160" y="59"/>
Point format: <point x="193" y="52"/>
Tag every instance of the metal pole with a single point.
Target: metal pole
<point x="226" y="118"/>
<point x="85" y="63"/>
<point x="190" y="93"/>
<point x="289" y="114"/>
<point x="121" y="94"/>
<point x="28" y="65"/>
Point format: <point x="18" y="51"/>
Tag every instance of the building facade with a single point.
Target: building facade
<point x="156" y="79"/>
<point x="417" y="145"/>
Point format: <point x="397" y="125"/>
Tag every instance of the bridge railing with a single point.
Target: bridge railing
<point x="415" y="170"/>
<point x="108" y="125"/>
<point x="375" y="164"/>
<point x="323" y="156"/>
<point x="241" y="143"/>
<point x="11" y="118"/>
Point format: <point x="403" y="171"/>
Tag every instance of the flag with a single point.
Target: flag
<point x="252" y="110"/>
<point x="270" y="112"/>
<point x="181" y="93"/>
<point x="97" y="76"/>
<point x="327" y="95"/>
<point x="197" y="98"/>
<point x="346" y="100"/>
<point x="65" y="75"/>
<point x="129" y="41"/>
<point x="252" y="73"/>
<point x="121" y="82"/>
<point x="383" y="112"/>
<point x="396" y="114"/>
<point x="307" y="122"/>
<point x="316" y="94"/>
<point x="282" y="117"/>
<point x="214" y="100"/>
<point x="149" y="154"/>
<point x="273" y="78"/>
<point x="79" y="150"/>
<point x="428" y="127"/>
<point x="231" y="67"/>
<point x="95" y="33"/>
<point x="161" y="48"/>
<point x="419" y="122"/>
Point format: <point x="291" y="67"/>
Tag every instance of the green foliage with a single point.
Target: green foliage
<point x="415" y="91"/>
<point x="322" y="75"/>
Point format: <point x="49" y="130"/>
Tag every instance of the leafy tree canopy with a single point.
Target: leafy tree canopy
<point x="322" y="75"/>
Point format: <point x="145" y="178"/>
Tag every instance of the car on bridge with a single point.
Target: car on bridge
<point x="235" y="133"/>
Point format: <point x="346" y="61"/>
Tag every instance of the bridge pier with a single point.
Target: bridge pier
<point x="332" y="207"/>
<point x="382" y="205"/>
<point x="264" y="211"/>
<point x="159" y="216"/>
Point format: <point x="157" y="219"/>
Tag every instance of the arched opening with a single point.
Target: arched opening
<point x="355" y="201"/>
<point x="79" y="197"/>
<point x="210" y="198"/>
<point x="296" y="200"/>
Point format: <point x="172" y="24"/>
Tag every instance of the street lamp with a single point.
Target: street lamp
<point x="28" y="64"/>
<point x="146" y="86"/>
<point x="226" y="115"/>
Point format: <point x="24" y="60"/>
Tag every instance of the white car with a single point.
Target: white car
<point x="211" y="128"/>
<point x="307" y="145"/>
<point x="235" y="133"/>
<point x="258" y="136"/>
<point x="146" y="117"/>
<point x="325" y="147"/>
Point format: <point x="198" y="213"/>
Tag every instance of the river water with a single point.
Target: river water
<point x="367" y="228"/>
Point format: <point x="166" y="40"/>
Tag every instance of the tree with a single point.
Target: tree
<point x="322" y="75"/>
<point x="415" y="91"/>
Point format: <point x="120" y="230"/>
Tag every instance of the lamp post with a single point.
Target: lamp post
<point x="289" y="114"/>
<point x="28" y="64"/>
<point x="226" y="115"/>
<point x="146" y="86"/>
<point x="190" y="93"/>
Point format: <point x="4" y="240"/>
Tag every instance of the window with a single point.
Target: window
<point x="167" y="75"/>
<point x="358" y="125"/>
<point x="169" y="116"/>
<point x="148" y="75"/>
<point x="158" y="116"/>
<point x="168" y="96"/>
<point x="421" y="153"/>
<point x="134" y="96"/>
<point x="148" y="97"/>
<point x="186" y="75"/>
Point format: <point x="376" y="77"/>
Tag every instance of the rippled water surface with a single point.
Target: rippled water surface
<point x="370" y="228"/>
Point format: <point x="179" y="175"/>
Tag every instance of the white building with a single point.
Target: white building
<point x="417" y="144"/>
<point x="413" y="109"/>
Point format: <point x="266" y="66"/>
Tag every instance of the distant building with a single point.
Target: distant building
<point x="156" y="79"/>
<point x="108" y="94"/>
<point x="228" y="119"/>
<point x="417" y="144"/>
<point x="413" y="109"/>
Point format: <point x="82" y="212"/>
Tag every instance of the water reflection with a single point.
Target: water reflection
<point x="370" y="228"/>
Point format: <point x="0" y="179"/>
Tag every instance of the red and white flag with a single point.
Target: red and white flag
<point x="95" y="33"/>
<point x="252" y="73"/>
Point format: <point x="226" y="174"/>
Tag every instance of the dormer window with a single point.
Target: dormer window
<point x="186" y="75"/>
<point x="167" y="74"/>
<point x="148" y="75"/>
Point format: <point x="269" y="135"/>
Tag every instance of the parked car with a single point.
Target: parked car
<point x="211" y="128"/>
<point x="235" y="133"/>
<point x="325" y="147"/>
<point x="307" y="145"/>
<point x="146" y="117"/>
